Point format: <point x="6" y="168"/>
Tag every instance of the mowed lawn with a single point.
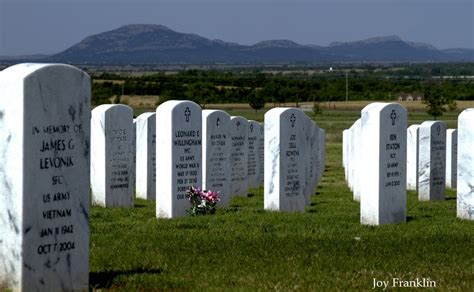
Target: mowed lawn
<point x="244" y="247"/>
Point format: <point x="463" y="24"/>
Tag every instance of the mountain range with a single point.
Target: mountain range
<point x="158" y="44"/>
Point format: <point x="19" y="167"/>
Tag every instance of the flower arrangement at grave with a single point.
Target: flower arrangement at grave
<point x="202" y="201"/>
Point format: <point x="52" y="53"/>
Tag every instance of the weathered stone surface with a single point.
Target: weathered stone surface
<point x="432" y="161"/>
<point x="44" y="177"/>
<point x="412" y="157"/>
<point x="112" y="156"/>
<point x="384" y="156"/>
<point x="238" y="156"/>
<point x="146" y="156"/>
<point x="451" y="158"/>
<point x="216" y="153"/>
<point x="465" y="179"/>
<point x="285" y="148"/>
<point x="178" y="156"/>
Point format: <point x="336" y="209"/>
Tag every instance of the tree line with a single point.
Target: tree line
<point x="257" y="88"/>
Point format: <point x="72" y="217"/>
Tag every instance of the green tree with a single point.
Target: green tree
<point x="437" y="103"/>
<point x="256" y="100"/>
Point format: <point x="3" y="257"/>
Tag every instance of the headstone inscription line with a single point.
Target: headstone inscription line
<point x="146" y="157"/>
<point x="383" y="193"/>
<point x="284" y="160"/>
<point x="178" y="156"/>
<point x="216" y="153"/>
<point x="112" y="156"/>
<point x="44" y="177"/>
<point x="465" y="178"/>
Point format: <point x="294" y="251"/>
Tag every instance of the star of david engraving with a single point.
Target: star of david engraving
<point x="292" y="120"/>
<point x="187" y="113"/>
<point x="393" y="117"/>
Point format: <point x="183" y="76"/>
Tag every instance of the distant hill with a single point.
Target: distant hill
<point x="157" y="44"/>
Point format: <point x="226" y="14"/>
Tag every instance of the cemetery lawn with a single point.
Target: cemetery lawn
<point x="244" y="247"/>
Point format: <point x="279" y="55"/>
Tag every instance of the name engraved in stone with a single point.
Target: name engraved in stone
<point x="57" y="145"/>
<point x="56" y="162"/>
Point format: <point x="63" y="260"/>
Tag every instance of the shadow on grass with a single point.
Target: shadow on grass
<point x="250" y="195"/>
<point x="101" y="280"/>
<point x="409" y="218"/>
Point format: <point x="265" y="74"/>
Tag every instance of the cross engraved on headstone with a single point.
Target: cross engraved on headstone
<point x="251" y="128"/>
<point x="292" y="120"/>
<point x="393" y="116"/>
<point x="187" y="114"/>
<point x="238" y="125"/>
<point x="438" y="129"/>
<point x="218" y="121"/>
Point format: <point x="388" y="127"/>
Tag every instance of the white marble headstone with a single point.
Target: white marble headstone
<point x="146" y="158"/>
<point x="465" y="179"/>
<point x="347" y="147"/>
<point x="344" y="149"/>
<point x="356" y="160"/>
<point x="261" y="153"/>
<point x="285" y="148"/>
<point x="178" y="156"/>
<point x="412" y="157"/>
<point x="238" y="156"/>
<point x="432" y="161"/>
<point x="308" y="163"/>
<point x="451" y="157"/>
<point x="112" y="156"/>
<point x="384" y="156"/>
<point x="44" y="178"/>
<point x="216" y="153"/>
<point x="314" y="160"/>
<point x="252" y="156"/>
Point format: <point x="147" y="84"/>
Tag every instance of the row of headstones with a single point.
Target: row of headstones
<point x="45" y="167"/>
<point x="208" y="149"/>
<point x="382" y="159"/>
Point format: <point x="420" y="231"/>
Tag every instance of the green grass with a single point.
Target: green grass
<point x="244" y="247"/>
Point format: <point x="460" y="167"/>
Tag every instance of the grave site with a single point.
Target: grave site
<point x="94" y="199"/>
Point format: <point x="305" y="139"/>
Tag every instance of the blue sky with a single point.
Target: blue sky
<point x="50" y="26"/>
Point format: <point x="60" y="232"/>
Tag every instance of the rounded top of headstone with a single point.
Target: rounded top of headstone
<point x="279" y="110"/>
<point x="356" y="124"/>
<point x="381" y="105"/>
<point x="146" y="115"/>
<point x="232" y="118"/>
<point x="451" y="131"/>
<point x="114" y="107"/>
<point x="467" y="114"/>
<point x="414" y="126"/>
<point x="170" y="104"/>
<point x="24" y="70"/>
<point x="432" y="123"/>
<point x="209" y="112"/>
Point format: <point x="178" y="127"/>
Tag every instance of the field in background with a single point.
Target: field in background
<point x="244" y="247"/>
